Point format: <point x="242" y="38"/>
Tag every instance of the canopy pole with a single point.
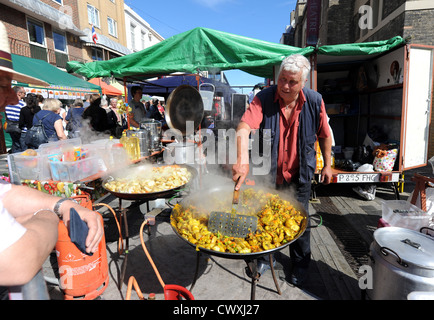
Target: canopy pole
<point x="126" y="101"/>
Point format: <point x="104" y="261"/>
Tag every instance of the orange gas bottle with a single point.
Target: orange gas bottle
<point x="82" y="277"/>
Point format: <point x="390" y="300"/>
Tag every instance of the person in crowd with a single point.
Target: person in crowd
<point x="51" y="120"/>
<point x="40" y="99"/>
<point x="296" y="117"/>
<point x="86" y="102"/>
<point x="29" y="218"/>
<point x="138" y="111"/>
<point x="112" y="120"/>
<point x="62" y="114"/>
<point x="96" y="115"/>
<point x="114" y="106"/>
<point x="26" y="117"/>
<point x="12" y="113"/>
<point x="153" y="112"/>
<point x="74" y="118"/>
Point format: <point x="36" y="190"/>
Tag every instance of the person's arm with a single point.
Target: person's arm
<point x="58" y="126"/>
<point x="241" y="168"/>
<point x="22" y="202"/>
<point x="21" y="261"/>
<point x="325" y="145"/>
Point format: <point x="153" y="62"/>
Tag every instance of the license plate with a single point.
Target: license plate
<point x="358" y="177"/>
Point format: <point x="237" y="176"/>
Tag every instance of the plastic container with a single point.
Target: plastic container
<point x="400" y="213"/>
<point x="29" y="167"/>
<point x="76" y="170"/>
<point x="119" y="156"/>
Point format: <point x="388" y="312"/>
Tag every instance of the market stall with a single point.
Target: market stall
<point x="106" y="88"/>
<point x="361" y="85"/>
<point x="62" y="86"/>
<point x="369" y="90"/>
<point x="366" y="86"/>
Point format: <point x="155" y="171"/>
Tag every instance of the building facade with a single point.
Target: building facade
<point x="139" y="33"/>
<point x="108" y="19"/>
<point x="43" y="29"/>
<point x="59" y="31"/>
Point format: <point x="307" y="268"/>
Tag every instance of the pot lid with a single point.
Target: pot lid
<point x="184" y="104"/>
<point x="413" y="247"/>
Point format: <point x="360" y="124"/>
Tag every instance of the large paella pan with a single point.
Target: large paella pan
<point x="281" y="220"/>
<point x="149" y="182"/>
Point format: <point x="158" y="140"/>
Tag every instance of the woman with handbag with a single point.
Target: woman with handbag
<point x="51" y="120"/>
<point x="26" y="117"/>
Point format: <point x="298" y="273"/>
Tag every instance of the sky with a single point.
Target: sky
<point x="255" y="19"/>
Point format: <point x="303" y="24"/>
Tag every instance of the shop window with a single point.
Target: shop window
<point x="97" y="54"/>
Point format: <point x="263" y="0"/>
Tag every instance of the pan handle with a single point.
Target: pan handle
<point x="384" y="250"/>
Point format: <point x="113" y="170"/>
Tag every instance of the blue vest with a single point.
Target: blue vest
<point x="309" y="120"/>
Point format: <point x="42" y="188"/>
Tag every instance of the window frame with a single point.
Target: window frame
<point x="97" y="16"/>
<point x="115" y="27"/>
<point x="66" y="40"/>
<point x="41" y="24"/>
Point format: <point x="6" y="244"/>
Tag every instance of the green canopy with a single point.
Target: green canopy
<point x="43" y="70"/>
<point x="198" y="49"/>
<point x="363" y="48"/>
<point x="210" y="50"/>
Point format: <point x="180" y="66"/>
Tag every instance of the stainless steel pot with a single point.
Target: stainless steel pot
<point x="402" y="262"/>
<point x="179" y="153"/>
<point x="144" y="141"/>
<point x="154" y="128"/>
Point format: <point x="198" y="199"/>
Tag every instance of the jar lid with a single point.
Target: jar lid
<point x="412" y="247"/>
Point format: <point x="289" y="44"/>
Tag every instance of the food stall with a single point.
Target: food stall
<point x="63" y="86"/>
<point x="357" y="106"/>
<point x="376" y="95"/>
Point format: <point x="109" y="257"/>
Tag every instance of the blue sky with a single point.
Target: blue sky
<point x="255" y="19"/>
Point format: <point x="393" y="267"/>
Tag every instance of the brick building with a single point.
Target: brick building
<point x="59" y="31"/>
<point x="43" y="30"/>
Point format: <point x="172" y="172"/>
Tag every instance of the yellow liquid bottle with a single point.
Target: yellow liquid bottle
<point x="135" y="146"/>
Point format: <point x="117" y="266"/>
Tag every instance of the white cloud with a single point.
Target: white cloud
<point x="213" y="4"/>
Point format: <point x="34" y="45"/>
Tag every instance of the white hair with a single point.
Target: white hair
<point x="295" y="63"/>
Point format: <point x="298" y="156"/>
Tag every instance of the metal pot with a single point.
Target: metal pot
<point x="154" y="128"/>
<point x="402" y="262"/>
<point x="179" y="153"/>
<point x="144" y="136"/>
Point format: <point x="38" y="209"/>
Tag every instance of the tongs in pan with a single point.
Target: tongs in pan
<point x="231" y="224"/>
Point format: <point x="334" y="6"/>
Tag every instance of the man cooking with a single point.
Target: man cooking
<point x="296" y="117"/>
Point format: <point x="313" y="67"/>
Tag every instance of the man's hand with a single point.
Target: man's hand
<point x="326" y="175"/>
<point x="239" y="174"/>
<point x="92" y="219"/>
